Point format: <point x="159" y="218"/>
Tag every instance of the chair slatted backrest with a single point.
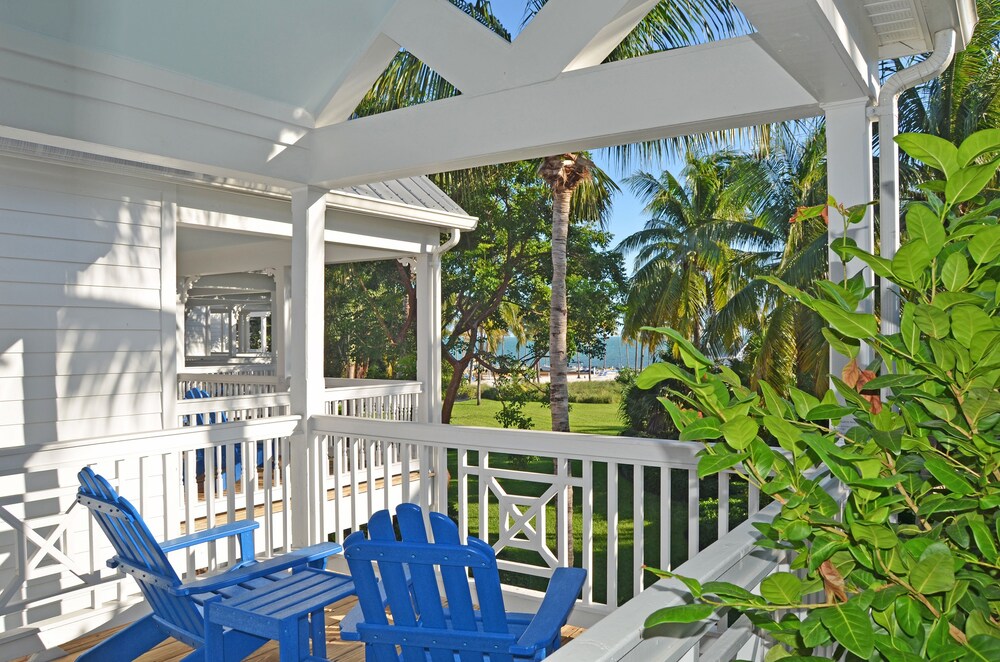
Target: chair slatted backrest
<point x="140" y="555"/>
<point x="412" y="571"/>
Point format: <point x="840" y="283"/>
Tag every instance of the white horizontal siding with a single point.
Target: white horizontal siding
<point x="97" y="275"/>
<point x="81" y="325"/>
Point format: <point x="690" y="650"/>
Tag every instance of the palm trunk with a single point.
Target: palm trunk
<point x="558" y="385"/>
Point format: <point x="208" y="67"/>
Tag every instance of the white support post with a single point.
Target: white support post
<point x="170" y="350"/>
<point x="849" y="178"/>
<point x="888" y="204"/>
<point x="281" y="348"/>
<point x="429" y="336"/>
<point x="308" y="257"/>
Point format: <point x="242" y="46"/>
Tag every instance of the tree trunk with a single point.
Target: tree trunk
<point x="558" y="381"/>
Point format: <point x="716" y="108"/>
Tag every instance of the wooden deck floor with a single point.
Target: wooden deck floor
<point x="172" y="650"/>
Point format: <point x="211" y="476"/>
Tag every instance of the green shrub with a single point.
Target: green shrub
<point x="909" y="568"/>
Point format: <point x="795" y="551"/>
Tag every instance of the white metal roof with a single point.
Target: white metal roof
<point x="262" y="89"/>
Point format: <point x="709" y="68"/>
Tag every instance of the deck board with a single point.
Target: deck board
<point x="172" y="650"/>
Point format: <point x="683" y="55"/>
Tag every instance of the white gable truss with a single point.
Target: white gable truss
<point x="544" y="93"/>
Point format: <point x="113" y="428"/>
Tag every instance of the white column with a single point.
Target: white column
<point x="308" y="226"/>
<point x="281" y="348"/>
<point x="849" y="179"/>
<point x="429" y="335"/>
<point x="888" y="204"/>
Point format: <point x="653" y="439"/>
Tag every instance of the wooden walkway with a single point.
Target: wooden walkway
<point x="172" y="650"/>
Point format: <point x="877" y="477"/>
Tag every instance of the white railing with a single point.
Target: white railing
<point x="220" y="385"/>
<point x="53" y="553"/>
<point x="373" y="398"/>
<point x="734" y="558"/>
<point x="512" y="488"/>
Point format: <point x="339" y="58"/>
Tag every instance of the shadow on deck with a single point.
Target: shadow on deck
<point x="172" y="650"/>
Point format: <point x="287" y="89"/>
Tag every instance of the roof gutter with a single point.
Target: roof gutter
<point x="887" y="112"/>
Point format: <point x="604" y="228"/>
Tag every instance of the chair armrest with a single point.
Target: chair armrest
<point x="294" y="559"/>
<point x="559" y="599"/>
<point x="214" y="533"/>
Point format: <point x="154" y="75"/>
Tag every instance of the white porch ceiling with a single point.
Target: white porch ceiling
<point x="261" y="89"/>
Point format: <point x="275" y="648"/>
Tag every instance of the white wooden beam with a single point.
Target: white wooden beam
<point x="828" y="46"/>
<point x="573" y="34"/>
<point x="714" y="86"/>
<point x="347" y="92"/>
<point x="466" y="53"/>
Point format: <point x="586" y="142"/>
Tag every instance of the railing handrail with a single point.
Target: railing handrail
<point x="734" y="558"/>
<point x="232" y="402"/>
<point x="21" y="459"/>
<point x="226" y="378"/>
<point x="343" y="388"/>
<point x="650" y="452"/>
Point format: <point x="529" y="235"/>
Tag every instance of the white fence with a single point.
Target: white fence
<point x="373" y="398"/>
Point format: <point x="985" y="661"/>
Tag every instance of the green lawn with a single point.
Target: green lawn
<point x="585" y="418"/>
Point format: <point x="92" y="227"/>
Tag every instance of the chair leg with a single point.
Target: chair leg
<point x="128" y="644"/>
<point x="317" y="623"/>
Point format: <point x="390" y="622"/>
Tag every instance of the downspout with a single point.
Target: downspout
<point x="456" y="234"/>
<point x="887" y="112"/>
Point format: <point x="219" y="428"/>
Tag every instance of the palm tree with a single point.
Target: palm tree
<point x="563" y="174"/>
<point x="696" y="247"/>
<point x="782" y="340"/>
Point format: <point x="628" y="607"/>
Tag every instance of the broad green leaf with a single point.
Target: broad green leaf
<point x="968" y="182"/>
<point x="955" y="272"/>
<point x="985" y="541"/>
<point x="782" y="588"/>
<point x="701" y="429"/>
<point x="935" y="571"/>
<point x="783" y="431"/>
<point x="876" y="534"/>
<point x="798" y="530"/>
<point x="852" y="325"/>
<point x="932" y="321"/>
<point x="851" y="627"/>
<point x="947" y="476"/>
<point x="739" y="432"/>
<point x="762" y="456"/>
<point x="686" y="347"/>
<point x="881" y="266"/>
<point x="849" y="347"/>
<point x="895" y="381"/>
<point x="709" y="465"/>
<point x="790" y="290"/>
<point x="777" y="653"/>
<point x="977" y="624"/>
<point x="979" y="143"/>
<point x="727" y="590"/>
<point x="813" y="632"/>
<point x="823" y="412"/>
<point x="924" y="224"/>
<point x="985" y="246"/>
<point x="679" y="614"/>
<point x="967" y="322"/>
<point x="908" y="615"/>
<point x="655" y="373"/>
<point x="982" y="648"/>
<point x="936" y="152"/>
<point x="912" y="259"/>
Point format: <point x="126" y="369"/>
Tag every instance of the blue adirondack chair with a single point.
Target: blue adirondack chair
<point x="178" y="607"/>
<point x="213" y="418"/>
<point x="427" y="625"/>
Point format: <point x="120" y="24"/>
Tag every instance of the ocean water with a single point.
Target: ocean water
<point x="620" y="354"/>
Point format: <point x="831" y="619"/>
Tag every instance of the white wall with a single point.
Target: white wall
<point x="80" y="304"/>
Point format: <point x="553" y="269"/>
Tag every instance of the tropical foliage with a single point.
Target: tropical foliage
<point x="908" y="567"/>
